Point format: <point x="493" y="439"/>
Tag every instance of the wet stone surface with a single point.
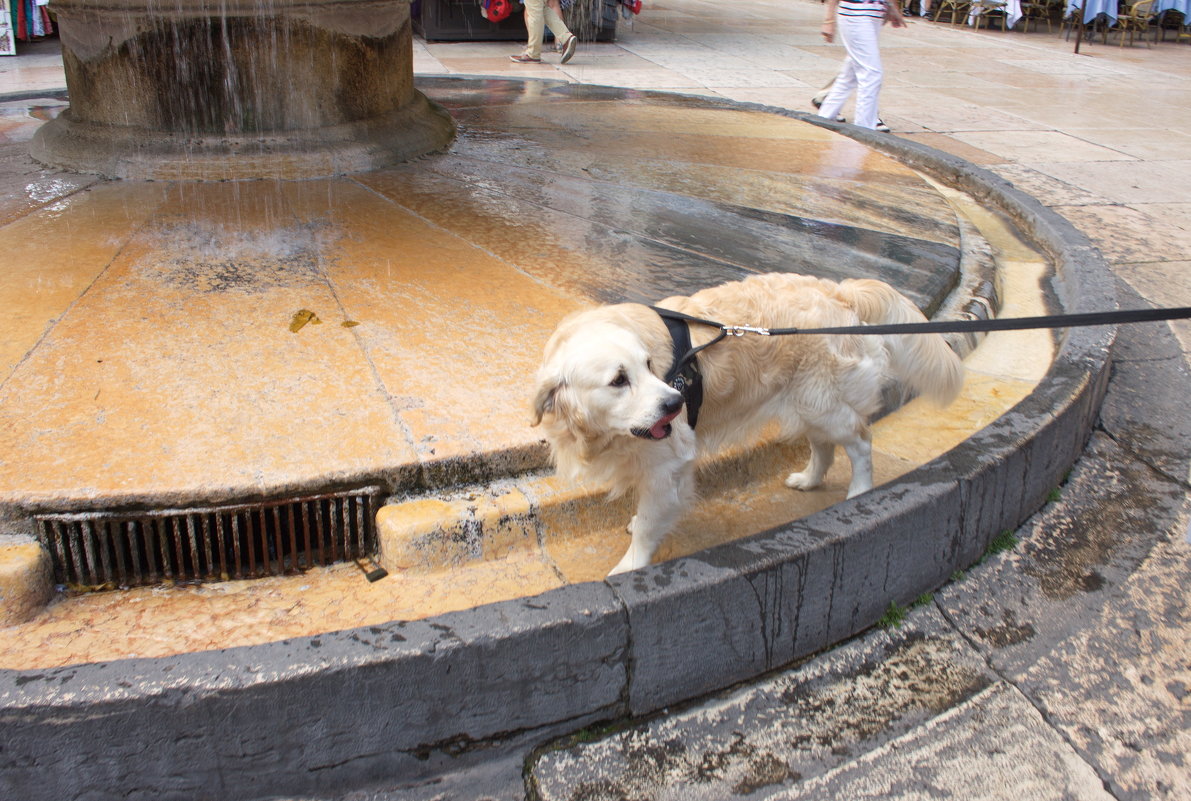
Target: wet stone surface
<point x="536" y="210"/>
<point x="24" y="184"/>
<point x="157" y="317"/>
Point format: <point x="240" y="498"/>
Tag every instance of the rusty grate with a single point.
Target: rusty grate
<point x="93" y="551"/>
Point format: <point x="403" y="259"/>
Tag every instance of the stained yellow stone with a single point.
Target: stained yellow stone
<point x="433" y="534"/>
<point x="152" y="358"/>
<point x="25" y="582"/>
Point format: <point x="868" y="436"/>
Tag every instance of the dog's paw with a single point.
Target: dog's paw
<point x="802" y="481"/>
<point x="625" y="564"/>
<point x="859" y="489"/>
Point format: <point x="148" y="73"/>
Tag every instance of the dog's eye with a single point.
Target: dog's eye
<point x="621" y="380"/>
<point x="649" y="365"/>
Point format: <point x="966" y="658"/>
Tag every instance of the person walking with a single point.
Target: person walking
<point x="540" y="14"/>
<point x="858" y="23"/>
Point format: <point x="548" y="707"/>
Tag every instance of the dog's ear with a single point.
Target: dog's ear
<point x="544" y="400"/>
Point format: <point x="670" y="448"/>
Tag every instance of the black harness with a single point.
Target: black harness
<point x="684" y="373"/>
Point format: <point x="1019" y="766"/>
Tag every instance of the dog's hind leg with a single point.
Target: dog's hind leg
<point x="860" y="453"/>
<point x="662" y="500"/>
<point x="822" y="457"/>
<point x="848" y="430"/>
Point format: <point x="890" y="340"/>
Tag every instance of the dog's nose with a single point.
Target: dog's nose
<point x="672" y="404"/>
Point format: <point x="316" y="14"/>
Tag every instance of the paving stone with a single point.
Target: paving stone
<point x="779" y="733"/>
<point x="997" y="747"/>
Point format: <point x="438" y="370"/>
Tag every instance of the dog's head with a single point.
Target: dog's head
<point x="600" y="379"/>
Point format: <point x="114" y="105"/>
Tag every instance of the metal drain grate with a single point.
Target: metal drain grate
<point x="94" y="551"/>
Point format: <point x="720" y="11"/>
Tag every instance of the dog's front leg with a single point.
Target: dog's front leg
<point x="662" y="500"/>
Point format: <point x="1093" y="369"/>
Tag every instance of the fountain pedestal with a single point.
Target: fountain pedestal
<point x="238" y="89"/>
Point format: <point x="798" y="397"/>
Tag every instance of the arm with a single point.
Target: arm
<point x="893" y="13"/>
<point x="828" y="29"/>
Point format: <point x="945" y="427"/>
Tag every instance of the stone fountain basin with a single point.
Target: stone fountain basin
<point x="344" y="709"/>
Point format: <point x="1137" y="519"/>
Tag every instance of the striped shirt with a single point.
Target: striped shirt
<point x="862" y="8"/>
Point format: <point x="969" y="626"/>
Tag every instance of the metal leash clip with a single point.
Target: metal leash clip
<point x="741" y="330"/>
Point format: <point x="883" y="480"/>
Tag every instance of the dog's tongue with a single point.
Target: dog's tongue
<point x="659" y="428"/>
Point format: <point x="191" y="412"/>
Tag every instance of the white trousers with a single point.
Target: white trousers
<point x="861" y="72"/>
<point x="538" y="16"/>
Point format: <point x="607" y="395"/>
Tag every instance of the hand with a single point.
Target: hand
<point x="828" y="30"/>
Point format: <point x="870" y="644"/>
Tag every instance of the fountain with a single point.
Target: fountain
<point x="232" y="89"/>
<point x="162" y="383"/>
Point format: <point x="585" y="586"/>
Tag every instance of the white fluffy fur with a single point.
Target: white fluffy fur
<point x="600" y="383"/>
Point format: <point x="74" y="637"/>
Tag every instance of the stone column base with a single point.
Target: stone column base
<point x="417" y="128"/>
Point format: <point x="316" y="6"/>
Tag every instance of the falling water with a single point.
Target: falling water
<point x="239" y="89"/>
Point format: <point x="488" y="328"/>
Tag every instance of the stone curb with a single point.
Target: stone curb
<point x="342" y="710"/>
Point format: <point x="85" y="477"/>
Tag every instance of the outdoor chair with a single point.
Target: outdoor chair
<point x="1047" y="10"/>
<point x="1136" y="19"/>
<point x="1072" y="22"/>
<point x="983" y="9"/>
<point x="1171" y="20"/>
<point x="956" y="9"/>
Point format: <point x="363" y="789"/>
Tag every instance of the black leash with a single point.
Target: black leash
<point x="684" y="374"/>
<point x="952" y="326"/>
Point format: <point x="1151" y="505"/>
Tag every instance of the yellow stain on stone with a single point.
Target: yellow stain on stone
<point x="119" y="401"/>
<point x="52" y="255"/>
<point x="453" y="351"/>
<point x="584" y="532"/>
<point x="1017" y="355"/>
<point x="432" y="534"/>
<point x="920" y="430"/>
<point x="161" y="621"/>
<point x="418" y="534"/>
<point x="1001" y="371"/>
<point x="380" y="247"/>
<point x="26" y="583"/>
<point x="302" y="318"/>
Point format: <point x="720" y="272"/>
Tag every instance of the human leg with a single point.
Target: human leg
<point x="841" y="89"/>
<point x="821" y="95"/>
<point x="558" y="26"/>
<point x="535" y="25"/>
<point x="859" y="36"/>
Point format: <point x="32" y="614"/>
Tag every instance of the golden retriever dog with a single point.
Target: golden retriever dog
<point x="610" y="418"/>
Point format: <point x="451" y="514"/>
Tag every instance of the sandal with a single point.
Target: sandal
<point x="522" y="58"/>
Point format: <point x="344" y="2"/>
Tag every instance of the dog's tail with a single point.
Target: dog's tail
<point x="923" y="362"/>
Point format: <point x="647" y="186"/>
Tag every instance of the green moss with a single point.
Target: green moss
<point x="1005" y="541"/>
<point x="893" y="617"/>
